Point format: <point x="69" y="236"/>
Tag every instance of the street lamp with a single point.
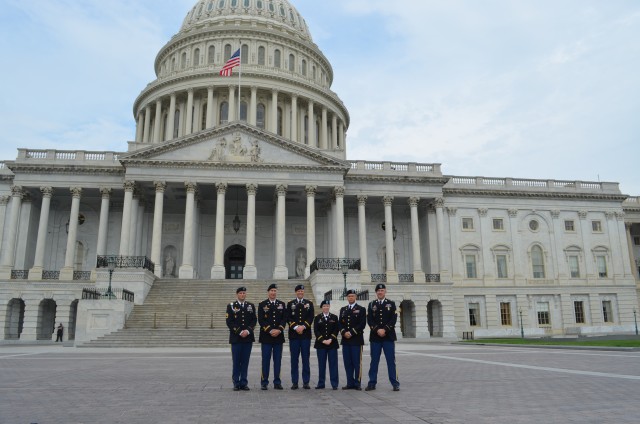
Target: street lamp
<point x="635" y="320"/>
<point x="521" y="325"/>
<point x="111" y="264"/>
<point x="344" y="267"/>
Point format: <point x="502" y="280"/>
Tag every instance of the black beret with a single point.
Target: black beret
<point x="272" y="286"/>
<point x="351" y="291"/>
<point x="325" y="302"/>
<point x="380" y="286"/>
<point x="239" y="289"/>
<point x="299" y="287"/>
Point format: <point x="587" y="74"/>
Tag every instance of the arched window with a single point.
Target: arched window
<point x="210" y="6"/>
<point x="211" y="55"/>
<point x="243" y="111"/>
<point x="247" y="3"/>
<point x="176" y="124"/>
<point x="260" y="113"/>
<point x="221" y="4"/>
<point x="234" y="3"/>
<point x="537" y="262"/>
<point x="245" y="54"/>
<point x="279" y="121"/>
<point x="313" y="74"/>
<point x="183" y="61"/>
<point x="261" y="54"/>
<point x="304" y="67"/>
<point x="227" y="52"/>
<point x="224" y="113"/>
<point x="196" y="58"/>
<point x="292" y="63"/>
<point x="203" y="118"/>
<point x="277" y="58"/>
<point x="259" y="4"/>
<point x="272" y="7"/>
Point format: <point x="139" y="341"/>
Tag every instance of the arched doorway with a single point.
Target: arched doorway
<point x="407" y="319"/>
<point x="14" y="319"/>
<point x="73" y="314"/>
<point x="46" y="319"/>
<point x="434" y="315"/>
<point x="234" y="260"/>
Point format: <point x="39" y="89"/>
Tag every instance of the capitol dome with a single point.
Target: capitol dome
<point x="285" y="84"/>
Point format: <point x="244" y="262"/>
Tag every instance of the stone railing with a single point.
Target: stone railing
<point x="67" y="155"/>
<point x="632" y="201"/>
<point x="334" y="264"/>
<point x="520" y="183"/>
<point x="126" y="262"/>
<point x="395" y="167"/>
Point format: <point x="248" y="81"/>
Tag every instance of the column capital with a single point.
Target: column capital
<point x="311" y="190"/>
<point x="555" y="213"/>
<point x="190" y="90"/>
<point x="4" y="200"/>
<point x="452" y="211"/>
<point x="210" y="87"/>
<point x="158" y="101"/>
<point x="413" y="201"/>
<point x="252" y="189"/>
<point x="254" y="88"/>
<point x="362" y="199"/>
<point x="129" y="185"/>
<point x="438" y="202"/>
<point x="190" y="186"/>
<point x="275" y="91"/>
<point x="281" y="190"/>
<point x="582" y="214"/>
<point x="483" y="211"/>
<point x="16" y="191"/>
<point x="620" y="215"/>
<point x="513" y="213"/>
<point x="105" y="192"/>
<point x="76" y="192"/>
<point x="160" y="186"/>
<point x="387" y="200"/>
<point x="610" y="214"/>
<point x="221" y="188"/>
<point x="627" y="226"/>
<point x="46" y="191"/>
<point x="338" y="191"/>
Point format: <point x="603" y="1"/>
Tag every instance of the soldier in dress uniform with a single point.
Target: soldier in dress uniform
<point x="326" y="327"/>
<point x="353" y="321"/>
<point x="272" y="317"/>
<point x="241" y="320"/>
<point x="382" y="317"/>
<point x="300" y="319"/>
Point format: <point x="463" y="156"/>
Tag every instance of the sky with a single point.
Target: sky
<point x="544" y="89"/>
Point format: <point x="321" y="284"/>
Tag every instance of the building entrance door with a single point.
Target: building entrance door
<point x="234" y="260"/>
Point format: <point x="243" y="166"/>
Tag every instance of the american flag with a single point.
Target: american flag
<point x="233" y="61"/>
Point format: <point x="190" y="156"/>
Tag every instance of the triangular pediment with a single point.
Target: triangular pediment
<point x="234" y="144"/>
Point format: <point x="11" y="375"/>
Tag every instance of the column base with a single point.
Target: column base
<point x="186" y="272"/>
<point x="365" y="276"/>
<point x="307" y="271"/>
<point x="35" y="273"/>
<point x="392" y="277"/>
<point x="281" y="272"/>
<point x="419" y="277"/>
<point x="5" y="272"/>
<point x="218" y="272"/>
<point x="66" y="274"/>
<point x="250" y="272"/>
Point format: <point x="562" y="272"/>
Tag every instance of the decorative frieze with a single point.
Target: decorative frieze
<point x="513" y="213"/>
<point x="483" y="212"/>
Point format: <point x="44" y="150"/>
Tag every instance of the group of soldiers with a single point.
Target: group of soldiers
<point x="273" y="316"/>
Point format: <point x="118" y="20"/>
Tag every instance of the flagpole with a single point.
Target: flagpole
<point x="239" y="84"/>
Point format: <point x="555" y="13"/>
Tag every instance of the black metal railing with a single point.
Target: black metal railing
<point x="378" y="278"/>
<point x="126" y="262"/>
<point x="334" y="264"/>
<point x="339" y="294"/>
<point x="50" y="275"/>
<point x="19" y="274"/>
<point x="81" y="275"/>
<point x="405" y="278"/>
<point x="128" y="295"/>
<point x="432" y="278"/>
<point x="92" y="293"/>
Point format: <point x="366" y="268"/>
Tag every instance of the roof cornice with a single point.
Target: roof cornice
<point x="532" y="194"/>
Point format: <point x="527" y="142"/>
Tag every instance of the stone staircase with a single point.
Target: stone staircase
<point x="187" y="313"/>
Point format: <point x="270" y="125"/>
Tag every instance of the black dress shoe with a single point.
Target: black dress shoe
<point x="294" y="387"/>
<point x="264" y="387"/>
<point x="335" y="388"/>
<point x="347" y="387"/>
<point x="277" y="386"/>
<point x="306" y="386"/>
<point x="319" y="387"/>
<point x="236" y="388"/>
<point x="396" y="388"/>
<point x="357" y="388"/>
<point x="369" y="388"/>
<point x="245" y="388"/>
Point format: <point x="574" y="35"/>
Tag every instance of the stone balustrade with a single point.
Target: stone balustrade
<point x="368" y="167"/>
<point x="531" y="184"/>
<point x="52" y="155"/>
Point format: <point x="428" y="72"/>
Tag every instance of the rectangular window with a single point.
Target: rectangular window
<point x="467" y="224"/>
<point x="543" y="313"/>
<point x="505" y="313"/>
<point x="470" y="264"/>
<point x="574" y="267"/>
<point x="607" y="312"/>
<point x="501" y="264"/>
<point x="569" y="225"/>
<point x="596" y="226"/>
<point x="474" y="314"/>
<point x="498" y="224"/>
<point x="601" y="263"/>
<point x="578" y="308"/>
<point x="636" y="240"/>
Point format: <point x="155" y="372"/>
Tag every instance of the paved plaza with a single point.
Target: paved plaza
<point x="441" y="383"/>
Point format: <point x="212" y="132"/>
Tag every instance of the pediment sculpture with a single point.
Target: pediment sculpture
<point x="236" y="151"/>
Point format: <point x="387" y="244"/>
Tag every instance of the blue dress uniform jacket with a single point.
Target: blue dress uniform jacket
<point x="353" y="320"/>
<point x="300" y="314"/>
<point x="326" y="329"/>
<point x="272" y="317"/>
<point x="382" y="315"/>
<point x="241" y="318"/>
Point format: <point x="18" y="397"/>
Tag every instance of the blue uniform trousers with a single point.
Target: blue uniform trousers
<point x="297" y="347"/>
<point x="352" y="357"/>
<point x="389" y="348"/>
<point x="240" y="354"/>
<point x="332" y="356"/>
<point x="267" y="350"/>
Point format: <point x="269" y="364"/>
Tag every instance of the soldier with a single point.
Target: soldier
<point x="300" y="318"/>
<point x="241" y="320"/>
<point x="353" y="321"/>
<point x="273" y="319"/>
<point x="381" y="317"/>
<point x="326" y="327"/>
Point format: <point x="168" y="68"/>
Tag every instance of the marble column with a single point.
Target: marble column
<point x="311" y="227"/>
<point x="140" y="226"/>
<point x="334" y="131"/>
<point x="140" y="127"/>
<point x="418" y="273"/>
<point x="341" y="136"/>
<point x="189" y="122"/>
<point x="215" y="109"/>
<point x="210" y="107"/>
<point x="171" y="118"/>
<point x="232" y="104"/>
<point x="4" y="201"/>
<point x="274" y="111"/>
<point x="294" y="118"/>
<point x="323" y="130"/>
<point x="133" y="225"/>
<point x="218" y="271"/>
<point x="129" y="186"/>
<point x="311" y="126"/>
<point x="340" y="245"/>
<point x="444" y="271"/>
<point x="157" y="127"/>
<point x="147" y="124"/>
<point x="518" y="267"/>
<point x="66" y="273"/>
<point x="156" y="238"/>
<point x="35" y="273"/>
<point x="250" y="271"/>
<point x="281" y="272"/>
<point x="186" y="269"/>
<point x="9" y="241"/>
<point x="365" y="274"/>
<point x="103" y="226"/>
<point x="253" y="105"/>
<point x="392" y="274"/>
<point x="632" y="261"/>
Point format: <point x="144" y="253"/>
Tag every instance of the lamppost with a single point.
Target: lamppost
<point x="111" y="264"/>
<point x="344" y="267"/>
<point x="521" y="325"/>
<point x="635" y="320"/>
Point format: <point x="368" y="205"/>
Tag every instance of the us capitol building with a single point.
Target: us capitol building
<point x="223" y="183"/>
